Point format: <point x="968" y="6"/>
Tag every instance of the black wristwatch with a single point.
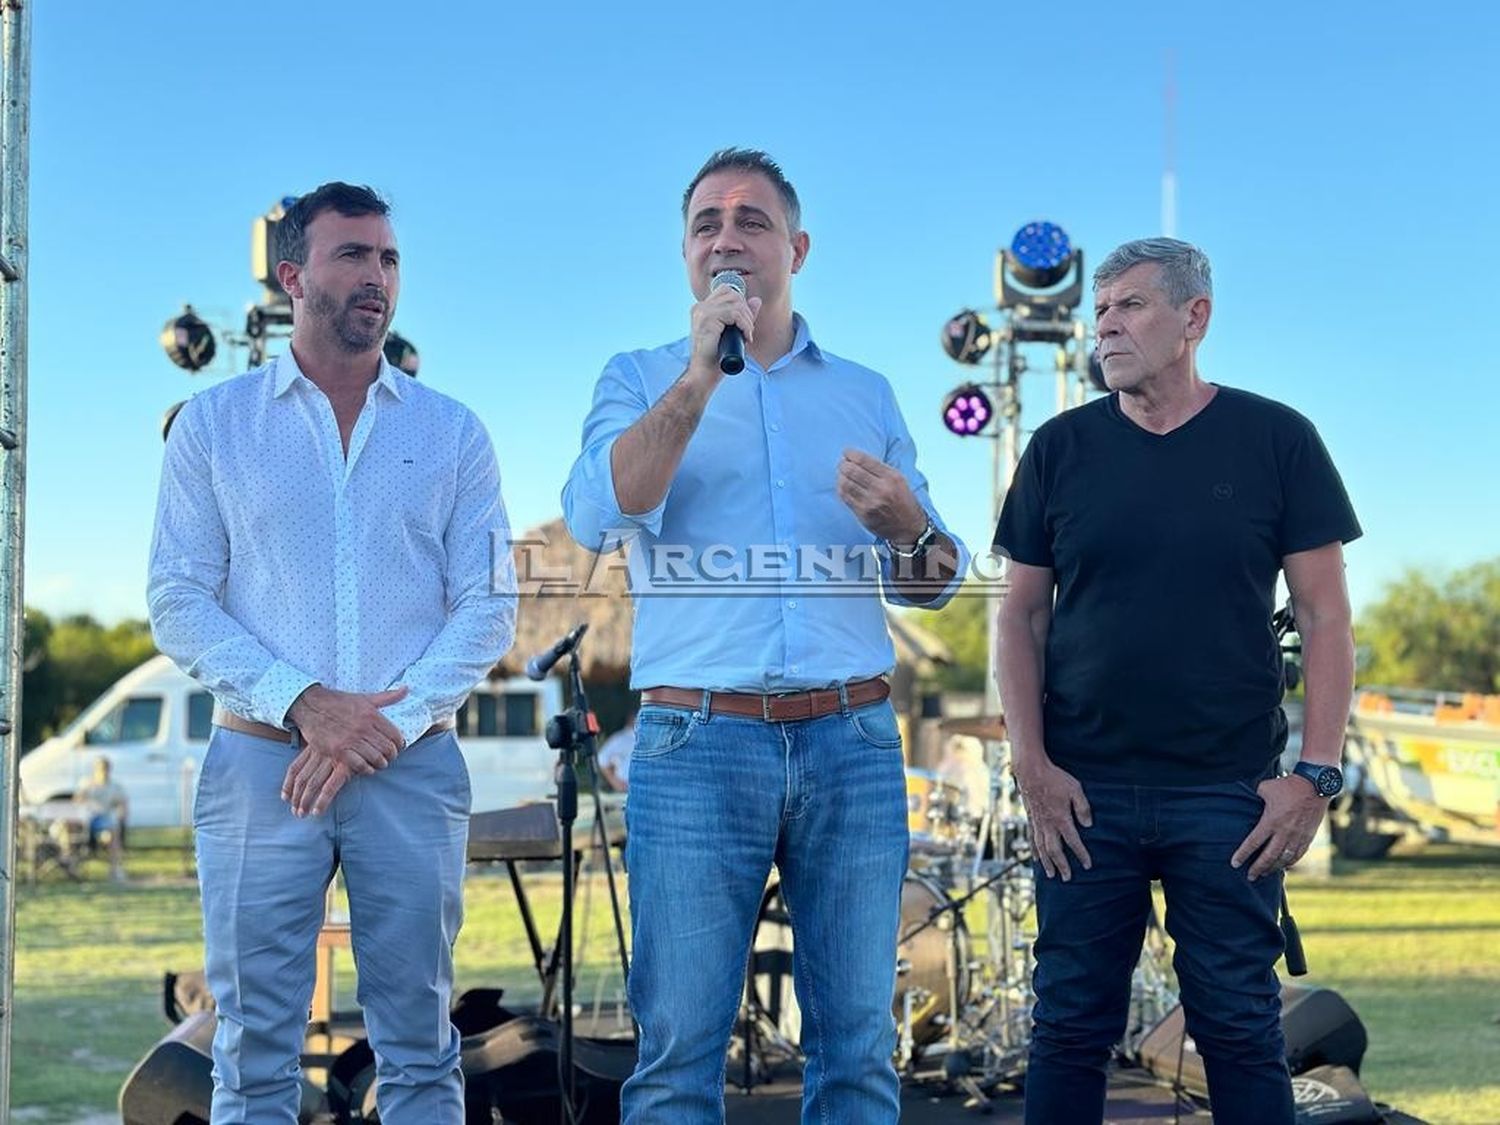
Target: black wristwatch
<point x="1328" y="781"/>
<point x="917" y="550"/>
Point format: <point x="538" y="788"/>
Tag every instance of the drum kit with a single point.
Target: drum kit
<point x="963" y="996"/>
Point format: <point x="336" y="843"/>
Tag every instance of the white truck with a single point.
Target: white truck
<point x="153" y="725"/>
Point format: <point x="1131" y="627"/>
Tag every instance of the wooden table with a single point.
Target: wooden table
<point x="328" y="1034"/>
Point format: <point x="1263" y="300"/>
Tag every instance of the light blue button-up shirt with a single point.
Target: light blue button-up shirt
<point x="752" y="574"/>
<point x="279" y="561"/>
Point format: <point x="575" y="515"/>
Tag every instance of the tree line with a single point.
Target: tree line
<point x="68" y="663"/>
<point x="1433" y="630"/>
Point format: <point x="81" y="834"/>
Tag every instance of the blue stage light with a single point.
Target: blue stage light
<point x="1040" y="254"/>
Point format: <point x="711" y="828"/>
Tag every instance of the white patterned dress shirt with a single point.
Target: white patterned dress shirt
<point x="278" y="562"/>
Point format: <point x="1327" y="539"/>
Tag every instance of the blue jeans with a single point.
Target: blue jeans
<point x="400" y="836"/>
<point x="1227" y="943"/>
<point x="714" y="801"/>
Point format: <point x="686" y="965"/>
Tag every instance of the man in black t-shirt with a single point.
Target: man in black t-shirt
<point x="1141" y="681"/>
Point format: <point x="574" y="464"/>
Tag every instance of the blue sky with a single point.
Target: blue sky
<point x="1336" y="160"/>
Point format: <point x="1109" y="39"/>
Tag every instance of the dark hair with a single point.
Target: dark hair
<point x="347" y="199"/>
<point x="749" y="160"/>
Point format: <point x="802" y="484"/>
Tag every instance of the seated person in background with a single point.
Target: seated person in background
<point x="108" y="810"/>
<point x="614" y="755"/>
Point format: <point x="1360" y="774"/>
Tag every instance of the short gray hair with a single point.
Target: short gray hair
<point x="1185" y="272"/>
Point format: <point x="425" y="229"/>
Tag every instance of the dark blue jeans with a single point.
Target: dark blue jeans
<point x="1226" y="934"/>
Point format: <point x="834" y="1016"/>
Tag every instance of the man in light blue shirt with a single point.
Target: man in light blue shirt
<point x="768" y="517"/>
<point x="324" y="563"/>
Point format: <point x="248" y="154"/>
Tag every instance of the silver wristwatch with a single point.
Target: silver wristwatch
<point x="917" y="549"/>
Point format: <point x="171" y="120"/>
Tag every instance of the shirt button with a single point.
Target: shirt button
<point x="776" y="427"/>
<point x="795" y="668"/>
<point x="781" y="484"/>
<point x="791" y="605"/>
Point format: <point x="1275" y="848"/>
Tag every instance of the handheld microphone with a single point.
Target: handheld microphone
<point x="731" y="340"/>
<point x="540" y="664"/>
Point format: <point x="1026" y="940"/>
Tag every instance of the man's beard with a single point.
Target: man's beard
<point x="351" y="334"/>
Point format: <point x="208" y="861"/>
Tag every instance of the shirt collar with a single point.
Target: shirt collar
<point x="287" y="372"/>
<point x="801" y="341"/>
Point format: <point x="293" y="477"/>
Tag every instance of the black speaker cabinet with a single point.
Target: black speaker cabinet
<point x="174" y="1085"/>
<point x="1319" y="1027"/>
<point x="510" y="1074"/>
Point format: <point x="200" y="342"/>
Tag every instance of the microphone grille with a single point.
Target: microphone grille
<point x="732" y="278"/>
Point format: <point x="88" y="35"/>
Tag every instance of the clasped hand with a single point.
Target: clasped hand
<point x="343" y="734"/>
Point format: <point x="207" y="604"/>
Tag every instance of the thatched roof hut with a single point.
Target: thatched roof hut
<point x="562" y="584"/>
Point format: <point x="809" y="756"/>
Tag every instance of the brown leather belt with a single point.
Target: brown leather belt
<point x="782" y="708"/>
<point x="230" y="721"/>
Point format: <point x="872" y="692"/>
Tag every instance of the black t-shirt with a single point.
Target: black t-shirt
<point x="1161" y="666"/>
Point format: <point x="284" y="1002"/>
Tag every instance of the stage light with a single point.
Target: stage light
<point x="967" y="337"/>
<point x="1040" y="255"/>
<point x="402" y="354"/>
<point x="263" y="255"/>
<point x="169" y="417"/>
<point x="188" y="341"/>
<point x="1039" y="278"/>
<point x="967" y="410"/>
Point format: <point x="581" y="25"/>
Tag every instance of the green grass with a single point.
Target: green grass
<point x="1412" y="942"/>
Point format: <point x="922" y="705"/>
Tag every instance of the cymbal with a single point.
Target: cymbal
<point x="991" y="727"/>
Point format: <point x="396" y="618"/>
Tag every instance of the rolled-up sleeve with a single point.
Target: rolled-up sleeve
<point x="901" y="453"/>
<point x="481" y="585"/>
<point x="591" y="507"/>
<point x="186" y="574"/>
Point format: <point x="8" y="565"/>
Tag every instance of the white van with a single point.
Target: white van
<point x="153" y="726"/>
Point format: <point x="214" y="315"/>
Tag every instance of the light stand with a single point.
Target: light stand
<point x="189" y="341"/>
<point x="1039" y="281"/>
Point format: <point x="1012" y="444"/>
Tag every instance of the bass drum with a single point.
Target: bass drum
<point x="933" y="950"/>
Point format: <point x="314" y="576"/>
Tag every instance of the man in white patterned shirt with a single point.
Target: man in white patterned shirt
<point x="330" y="560"/>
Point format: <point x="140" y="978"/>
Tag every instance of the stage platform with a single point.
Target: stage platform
<point x="1135" y="1098"/>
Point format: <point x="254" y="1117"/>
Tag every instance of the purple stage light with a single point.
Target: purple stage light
<point x="967" y="411"/>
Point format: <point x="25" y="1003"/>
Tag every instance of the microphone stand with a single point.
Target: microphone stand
<point x="571" y="733"/>
<point x="1283" y="622"/>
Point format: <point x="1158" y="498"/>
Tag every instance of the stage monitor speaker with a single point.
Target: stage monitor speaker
<point x="1319" y="1027"/>
<point x="174" y="1084"/>
<point x="1332" y="1095"/>
<point x="510" y="1070"/>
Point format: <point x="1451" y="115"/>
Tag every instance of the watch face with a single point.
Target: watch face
<point x="1329" y="781"/>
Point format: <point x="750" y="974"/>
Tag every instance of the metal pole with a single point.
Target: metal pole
<point x="997" y="495"/>
<point x="1007" y="451"/>
<point x="15" y="83"/>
